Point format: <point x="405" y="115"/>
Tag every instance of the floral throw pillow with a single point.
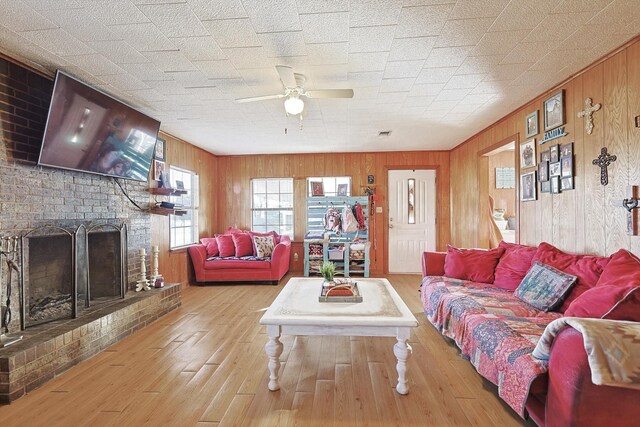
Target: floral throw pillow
<point x="264" y="246"/>
<point x="544" y="287"/>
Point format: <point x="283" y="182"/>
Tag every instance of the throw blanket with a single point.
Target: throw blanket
<point x="613" y="349"/>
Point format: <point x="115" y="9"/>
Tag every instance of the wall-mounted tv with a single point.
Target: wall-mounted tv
<point x="90" y="131"/>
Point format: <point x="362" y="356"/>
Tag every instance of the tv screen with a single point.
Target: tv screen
<point x="90" y="131"/>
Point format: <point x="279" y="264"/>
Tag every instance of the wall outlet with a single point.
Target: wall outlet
<point x="378" y="209"/>
<point x="295" y="256"/>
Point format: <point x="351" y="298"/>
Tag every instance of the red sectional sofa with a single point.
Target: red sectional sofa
<point x="240" y="267"/>
<point x="497" y="332"/>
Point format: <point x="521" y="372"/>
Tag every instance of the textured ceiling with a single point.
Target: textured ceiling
<point x="434" y="72"/>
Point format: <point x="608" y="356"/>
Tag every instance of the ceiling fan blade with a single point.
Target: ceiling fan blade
<point x="260" y="98"/>
<point x="329" y="93"/>
<point x="286" y="76"/>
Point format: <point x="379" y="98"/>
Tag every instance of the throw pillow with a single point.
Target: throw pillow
<point x="254" y="233"/>
<point x="211" y="245"/>
<point x="477" y="265"/>
<point x="616" y="296"/>
<point x="243" y="244"/>
<point x="264" y="246"/>
<point x="225" y="245"/>
<point x="513" y="265"/>
<point x="544" y="287"/>
<point x="587" y="268"/>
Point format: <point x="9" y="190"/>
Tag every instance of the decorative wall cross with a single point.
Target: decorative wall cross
<point x="603" y="161"/>
<point x="588" y="114"/>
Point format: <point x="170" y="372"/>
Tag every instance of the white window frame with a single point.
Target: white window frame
<point x="190" y="203"/>
<point x="330" y="185"/>
<point x="281" y="228"/>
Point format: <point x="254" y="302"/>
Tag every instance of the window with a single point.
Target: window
<point x="183" y="229"/>
<point x="272" y="205"/>
<point x="332" y="185"/>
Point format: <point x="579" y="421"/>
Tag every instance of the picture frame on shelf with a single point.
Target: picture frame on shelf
<point x="179" y="185"/>
<point x="555" y="169"/>
<point x="531" y="124"/>
<point x="566" y="149"/>
<point x="317" y="189"/>
<point x="342" y="189"/>
<point x="528" y="154"/>
<point x="528" y="187"/>
<point x="566" y="183"/>
<point x="566" y="166"/>
<point x="160" y="150"/>
<point x="554" y="153"/>
<point x="545" y="187"/>
<point x="158" y="170"/>
<point x="543" y="171"/>
<point x="555" y="184"/>
<point x="545" y="156"/>
<point x="554" y="111"/>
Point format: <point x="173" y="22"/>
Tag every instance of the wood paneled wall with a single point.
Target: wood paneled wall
<point x="174" y="265"/>
<point x="235" y="173"/>
<point x="590" y="218"/>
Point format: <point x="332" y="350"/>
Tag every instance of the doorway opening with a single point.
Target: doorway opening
<point x="498" y="194"/>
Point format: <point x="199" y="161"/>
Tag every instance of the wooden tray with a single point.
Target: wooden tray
<point x="339" y="298"/>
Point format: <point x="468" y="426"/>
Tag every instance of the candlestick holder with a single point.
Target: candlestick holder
<point x="157" y="281"/>
<point x="143" y="284"/>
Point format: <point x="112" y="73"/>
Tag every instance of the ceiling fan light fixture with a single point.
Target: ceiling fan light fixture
<point x="293" y="105"/>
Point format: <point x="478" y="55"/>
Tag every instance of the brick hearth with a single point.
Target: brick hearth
<point x="50" y="349"/>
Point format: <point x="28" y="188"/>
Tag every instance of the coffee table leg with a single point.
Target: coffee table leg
<point x="402" y="350"/>
<point x="274" y="350"/>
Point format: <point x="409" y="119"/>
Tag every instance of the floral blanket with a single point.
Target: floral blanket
<point x="612" y="347"/>
<point x="494" y="329"/>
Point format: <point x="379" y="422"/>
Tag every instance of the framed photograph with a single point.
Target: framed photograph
<point x="554" y="111"/>
<point x="554" y="169"/>
<point x="160" y="152"/>
<point x="543" y="171"/>
<point x="531" y="124"/>
<point x="528" y="187"/>
<point x="179" y="185"/>
<point x="566" y="150"/>
<point x="342" y="189"/>
<point x="554" y="153"/>
<point x="158" y="170"/>
<point x="566" y="166"/>
<point x="545" y="156"/>
<point x="555" y="184"/>
<point x="545" y="187"/>
<point x="566" y="184"/>
<point x="317" y="188"/>
<point x="528" y="154"/>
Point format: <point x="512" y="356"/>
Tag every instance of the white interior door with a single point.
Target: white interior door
<point x="412" y="218"/>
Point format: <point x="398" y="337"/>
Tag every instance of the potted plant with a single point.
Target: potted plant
<point x="327" y="269"/>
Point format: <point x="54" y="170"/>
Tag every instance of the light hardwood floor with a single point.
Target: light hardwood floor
<point x="204" y="365"/>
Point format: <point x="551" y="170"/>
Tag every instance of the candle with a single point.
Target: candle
<point x="142" y="251"/>
<point x="155" y="248"/>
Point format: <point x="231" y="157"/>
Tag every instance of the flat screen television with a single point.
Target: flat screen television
<point x="90" y="131"/>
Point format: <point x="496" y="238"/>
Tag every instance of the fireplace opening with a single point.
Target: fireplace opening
<point x="65" y="272"/>
<point x="50" y="271"/>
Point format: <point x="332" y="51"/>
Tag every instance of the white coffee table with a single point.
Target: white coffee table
<point x="296" y="311"/>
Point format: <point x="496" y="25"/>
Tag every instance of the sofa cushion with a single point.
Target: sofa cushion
<point x="477" y="265"/>
<point x="240" y="263"/>
<point x="243" y="244"/>
<point x="544" y="287"/>
<point x="264" y="245"/>
<point x="587" y="268"/>
<point x="226" y="247"/>
<point x="616" y="296"/>
<point x="276" y="238"/>
<point x="211" y="244"/>
<point x="513" y="265"/>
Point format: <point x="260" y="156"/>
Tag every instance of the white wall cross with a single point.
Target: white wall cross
<point x="588" y="114"/>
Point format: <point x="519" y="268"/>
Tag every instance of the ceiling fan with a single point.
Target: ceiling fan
<point x="293" y="84"/>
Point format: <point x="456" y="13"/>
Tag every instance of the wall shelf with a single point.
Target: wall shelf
<point x="156" y="210"/>
<point x="161" y="191"/>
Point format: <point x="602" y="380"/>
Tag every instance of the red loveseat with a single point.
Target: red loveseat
<point x="248" y="268"/>
<point x="497" y="332"/>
